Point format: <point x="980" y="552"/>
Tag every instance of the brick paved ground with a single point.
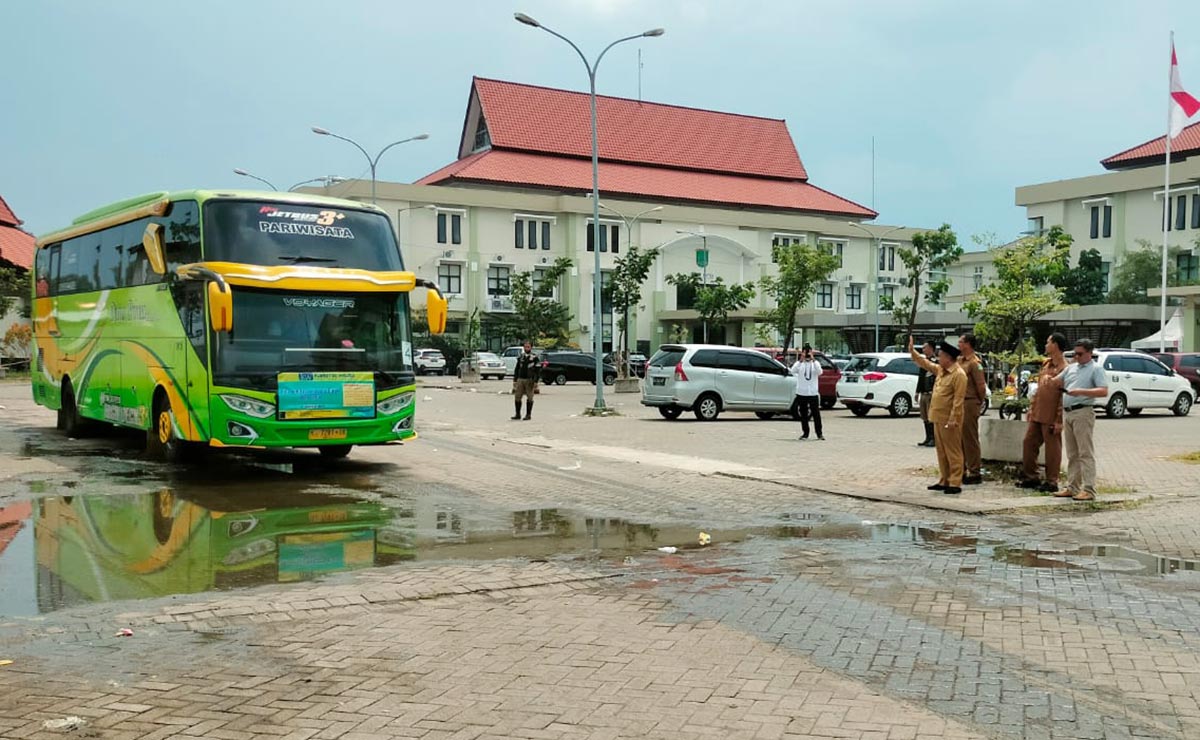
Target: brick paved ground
<point x="800" y="621"/>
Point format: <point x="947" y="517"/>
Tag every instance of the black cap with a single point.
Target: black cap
<point x="950" y="349"/>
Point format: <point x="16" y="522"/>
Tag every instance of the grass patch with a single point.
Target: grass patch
<point x="1187" y="457"/>
<point x="1115" y="490"/>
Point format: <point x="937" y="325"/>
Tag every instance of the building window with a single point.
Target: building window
<point x="454" y="221"/>
<point x="482" y="139"/>
<point x="455" y="228"/>
<point x="1094" y="232"/>
<point x="1196" y="211"/>
<point x="1034" y="225"/>
<point x="441" y="228"/>
<point x="887" y="295"/>
<point x="785" y="240"/>
<point x="545" y="235"/>
<point x="887" y="257"/>
<point x="1105" y="269"/>
<point x="533" y="234"/>
<point x="1106" y="232"/>
<point x="539" y="276"/>
<point x="1189" y="268"/>
<point x="519" y="234"/>
<point x="854" y="298"/>
<point x="825" y="295"/>
<point x="1180" y="212"/>
<point x="450" y="278"/>
<point x="497" y="281"/>
<point x="978" y="277"/>
<point x="1166" y="215"/>
<point x="685" y="297"/>
<point x="609" y="234"/>
<point x="833" y="246"/>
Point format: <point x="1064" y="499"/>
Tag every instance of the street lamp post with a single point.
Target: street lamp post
<point x="326" y="181"/>
<point x="372" y="161"/>
<point x="243" y="173"/>
<point x="874" y="271"/>
<point x="703" y="268"/>
<point x="629" y="224"/>
<point x="591" y="67"/>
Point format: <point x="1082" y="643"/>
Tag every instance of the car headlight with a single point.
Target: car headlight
<point x="396" y="403"/>
<point x="251" y="406"/>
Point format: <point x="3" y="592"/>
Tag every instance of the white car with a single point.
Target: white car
<point x="884" y="380"/>
<point x="488" y="364"/>
<point x="430" y="361"/>
<point x="1138" y="381"/>
<point x="708" y="379"/>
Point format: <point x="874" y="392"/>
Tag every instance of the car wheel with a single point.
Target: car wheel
<point x="610" y="379"/>
<point x="1183" y="405"/>
<point x="708" y="407"/>
<point x="670" y="412"/>
<point x="860" y="410"/>
<point x="900" y="406"/>
<point x="1116" y="407"/>
<point x="765" y="415"/>
<point x="560" y="379"/>
<point x="828" y="403"/>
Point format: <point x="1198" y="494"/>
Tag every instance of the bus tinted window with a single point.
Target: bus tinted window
<point x="136" y="266"/>
<point x="181" y="234"/>
<point x="111" y="255"/>
<point x="274" y="234"/>
<point x="41" y="266"/>
<point x="69" y="278"/>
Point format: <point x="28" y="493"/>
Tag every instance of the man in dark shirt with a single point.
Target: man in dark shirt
<point x="924" y="391"/>
<point x="525" y="380"/>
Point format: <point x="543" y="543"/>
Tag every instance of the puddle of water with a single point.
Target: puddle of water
<point x="1112" y="558"/>
<point x="883" y="533"/>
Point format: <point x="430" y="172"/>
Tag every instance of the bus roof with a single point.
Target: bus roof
<point x="133" y="208"/>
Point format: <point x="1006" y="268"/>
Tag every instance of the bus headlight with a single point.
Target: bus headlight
<point x="251" y="406"/>
<point x="398" y="402"/>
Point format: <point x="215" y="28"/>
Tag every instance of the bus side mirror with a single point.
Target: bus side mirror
<point x="220" y="307"/>
<point x="436" y="308"/>
<point x="152" y="241"/>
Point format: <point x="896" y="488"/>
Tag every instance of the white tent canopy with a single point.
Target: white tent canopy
<point x="1173" y="333"/>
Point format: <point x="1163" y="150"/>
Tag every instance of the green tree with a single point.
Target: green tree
<point x="14" y="284"/>
<point x="536" y="316"/>
<point x="932" y="253"/>
<point x="624" y="290"/>
<point x="1139" y="270"/>
<point x="1024" y="289"/>
<point x="715" y="300"/>
<point x="801" y="268"/>
<point x="1083" y="285"/>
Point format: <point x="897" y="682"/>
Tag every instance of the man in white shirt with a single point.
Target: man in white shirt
<point x="808" y="395"/>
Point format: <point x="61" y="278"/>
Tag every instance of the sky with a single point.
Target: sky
<point x="965" y="100"/>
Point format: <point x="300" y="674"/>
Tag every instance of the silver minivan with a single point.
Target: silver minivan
<point x="707" y="379"/>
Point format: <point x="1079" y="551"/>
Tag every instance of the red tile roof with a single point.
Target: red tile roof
<point x="16" y="244"/>
<point x="546" y="120"/>
<point x="541" y="137"/>
<point x="572" y="173"/>
<point x="1154" y="151"/>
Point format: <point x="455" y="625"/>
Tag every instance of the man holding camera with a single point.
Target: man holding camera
<point x="808" y="394"/>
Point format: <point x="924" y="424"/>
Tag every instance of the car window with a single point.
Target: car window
<point x="735" y="361"/>
<point x="704" y="358"/>
<point x="512" y="352"/>
<point x="1152" y="367"/>
<point x="666" y="358"/>
<point x="488" y="356"/>
<point x="763" y="364"/>
<point x="902" y="366"/>
<point x="1189" y="361"/>
<point x="1167" y="360"/>
<point x="1114" y="363"/>
<point x="825" y="363"/>
<point x="862" y="364"/>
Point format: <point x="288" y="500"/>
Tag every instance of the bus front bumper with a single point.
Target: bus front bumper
<point x="236" y="429"/>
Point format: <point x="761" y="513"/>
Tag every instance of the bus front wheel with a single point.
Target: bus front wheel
<point x="335" y="452"/>
<point x="161" y="440"/>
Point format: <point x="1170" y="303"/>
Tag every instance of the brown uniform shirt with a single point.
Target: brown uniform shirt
<point x="946" y="403"/>
<point x="976" y="383"/>
<point x="1046" y="407"/>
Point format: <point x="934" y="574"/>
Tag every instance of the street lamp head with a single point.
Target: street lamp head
<point x="654" y="32"/>
<point x="240" y="171"/>
<point x="320" y="131"/>
<point x="522" y="18"/>
<point x="655" y="208"/>
<point x="420" y="137"/>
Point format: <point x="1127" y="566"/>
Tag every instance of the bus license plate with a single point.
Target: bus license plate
<point x="327" y="434"/>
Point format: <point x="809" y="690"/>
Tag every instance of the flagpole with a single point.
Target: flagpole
<point x="1162" y="307"/>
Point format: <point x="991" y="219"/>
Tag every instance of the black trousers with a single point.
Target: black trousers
<point x="809" y="406"/>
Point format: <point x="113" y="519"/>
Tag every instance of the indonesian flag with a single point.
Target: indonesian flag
<point x="1183" y="105"/>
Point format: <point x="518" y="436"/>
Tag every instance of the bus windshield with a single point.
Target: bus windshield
<point x="261" y="233"/>
<point x="281" y="331"/>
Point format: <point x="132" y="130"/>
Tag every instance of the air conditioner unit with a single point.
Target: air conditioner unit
<point x="501" y="304"/>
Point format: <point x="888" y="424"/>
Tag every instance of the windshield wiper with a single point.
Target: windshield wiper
<point x="301" y="258"/>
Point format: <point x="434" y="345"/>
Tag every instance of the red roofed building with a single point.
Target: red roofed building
<point x="683" y="180"/>
<point x="16" y="244"/>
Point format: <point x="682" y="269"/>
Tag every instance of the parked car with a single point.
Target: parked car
<point x="886" y="380"/>
<point x="429" y="362"/>
<point x="637" y="363"/>
<point x="830" y="372"/>
<point x="1185" y="364"/>
<point x="559" y="367"/>
<point x="509" y="357"/>
<point x="709" y="379"/>
<point x="488" y="363"/>
<point x="1138" y="381"/>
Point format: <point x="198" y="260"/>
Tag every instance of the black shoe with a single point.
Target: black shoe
<point x="803" y="437"/>
<point x="927" y="443"/>
<point x="972" y="480"/>
<point x="1048" y="487"/>
<point x="1030" y="484"/>
<point x="952" y="489"/>
<point x="820" y="438"/>
<point x="517" y="417"/>
<point x="935" y="487"/>
<point x="527" y="417"/>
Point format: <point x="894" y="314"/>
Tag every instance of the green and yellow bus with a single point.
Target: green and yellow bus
<point x="229" y="319"/>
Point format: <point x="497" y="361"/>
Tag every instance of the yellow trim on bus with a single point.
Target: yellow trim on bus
<point x="297" y="277"/>
<point x="157" y="208"/>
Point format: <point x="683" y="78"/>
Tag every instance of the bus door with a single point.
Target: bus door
<point x="191" y="359"/>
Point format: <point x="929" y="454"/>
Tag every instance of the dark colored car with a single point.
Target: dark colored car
<point x="637" y="363"/>
<point x="1185" y="364"/>
<point x="559" y="367"/>
<point x="830" y="372"/>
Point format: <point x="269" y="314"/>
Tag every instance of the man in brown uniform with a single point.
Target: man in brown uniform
<point x="1045" y="420"/>
<point x="972" y="403"/>
<point x="946" y="414"/>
